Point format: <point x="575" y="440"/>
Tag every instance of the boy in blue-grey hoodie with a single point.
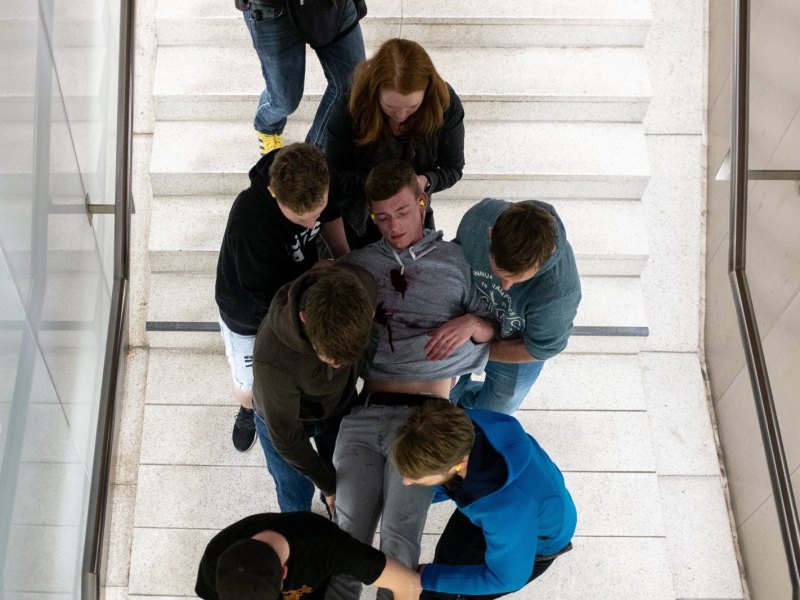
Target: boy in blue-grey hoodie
<point x="523" y="265"/>
<point x="514" y="514"/>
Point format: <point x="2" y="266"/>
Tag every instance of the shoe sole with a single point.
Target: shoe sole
<point x="250" y="447"/>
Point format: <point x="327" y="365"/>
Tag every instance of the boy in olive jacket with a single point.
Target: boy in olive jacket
<point x="309" y="352"/>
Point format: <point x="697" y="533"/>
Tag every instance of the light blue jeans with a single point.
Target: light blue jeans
<point x="504" y="389"/>
<point x="368" y="486"/>
<point x="282" y="52"/>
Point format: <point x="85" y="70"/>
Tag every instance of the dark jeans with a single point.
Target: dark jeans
<point x="295" y="491"/>
<point x="462" y="543"/>
<point x="282" y="52"/>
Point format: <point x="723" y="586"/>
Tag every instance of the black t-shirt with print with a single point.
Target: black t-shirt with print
<point x="261" y="251"/>
<point x="318" y="549"/>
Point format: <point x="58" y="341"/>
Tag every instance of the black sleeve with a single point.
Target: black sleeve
<point x="355" y="559"/>
<point x="331" y="211"/>
<point x="450" y="159"/>
<point x="280" y="397"/>
<point x="347" y="181"/>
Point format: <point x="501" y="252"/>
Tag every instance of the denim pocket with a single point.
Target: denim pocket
<point x="259" y="13"/>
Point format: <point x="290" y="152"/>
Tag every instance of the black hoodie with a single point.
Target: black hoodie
<point x="261" y="250"/>
<point x="292" y="386"/>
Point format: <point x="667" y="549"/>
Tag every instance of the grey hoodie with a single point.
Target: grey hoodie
<point x="292" y="386"/>
<point x="420" y="289"/>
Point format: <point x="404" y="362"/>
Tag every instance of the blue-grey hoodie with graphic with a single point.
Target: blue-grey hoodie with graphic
<point x="540" y="310"/>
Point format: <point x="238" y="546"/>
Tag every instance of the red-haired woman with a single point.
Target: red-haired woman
<point x="399" y="107"/>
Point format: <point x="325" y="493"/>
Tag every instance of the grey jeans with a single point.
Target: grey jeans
<point x="368" y="486"/>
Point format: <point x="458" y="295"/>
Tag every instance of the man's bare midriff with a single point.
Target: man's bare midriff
<point x="438" y="387"/>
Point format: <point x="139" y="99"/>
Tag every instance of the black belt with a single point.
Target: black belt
<point x="395" y="399"/>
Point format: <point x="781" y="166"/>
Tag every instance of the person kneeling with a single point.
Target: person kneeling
<point x="514" y="514"/>
<point x="270" y="556"/>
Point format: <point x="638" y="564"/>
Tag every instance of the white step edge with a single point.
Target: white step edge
<point x="558" y="84"/>
<point x="608" y="237"/>
<point x="613" y="303"/>
<point x="470" y="22"/>
<point x="548" y="160"/>
<point x="611" y="382"/>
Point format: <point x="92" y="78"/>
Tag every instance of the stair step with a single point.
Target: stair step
<point x="610" y="319"/>
<point x="608" y="237"/>
<point x="506" y="160"/>
<point x="164" y="560"/>
<point x="537" y="83"/>
<point x="467" y="22"/>
<point x="569" y="382"/>
<point x="70" y="24"/>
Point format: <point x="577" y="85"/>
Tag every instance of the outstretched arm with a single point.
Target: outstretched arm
<point x="455" y="332"/>
<point x="401" y="581"/>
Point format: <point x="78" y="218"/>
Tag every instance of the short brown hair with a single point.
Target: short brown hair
<point x="388" y="178"/>
<point x="436" y="436"/>
<point x="404" y="67"/>
<point x="338" y="315"/>
<point x="299" y="177"/>
<point x="523" y="237"/>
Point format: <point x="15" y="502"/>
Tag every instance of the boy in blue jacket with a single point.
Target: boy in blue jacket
<point x="514" y="514"/>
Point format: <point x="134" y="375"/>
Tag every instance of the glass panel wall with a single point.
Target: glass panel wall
<point x="772" y="270"/>
<point x="58" y="112"/>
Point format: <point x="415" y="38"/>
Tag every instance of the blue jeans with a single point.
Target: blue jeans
<point x="282" y="52"/>
<point x="295" y="491"/>
<point x="368" y="487"/>
<point x="505" y="387"/>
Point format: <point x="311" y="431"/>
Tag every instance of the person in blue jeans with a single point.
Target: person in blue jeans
<point x="281" y="50"/>
<point x="309" y="352"/>
<point x="523" y="266"/>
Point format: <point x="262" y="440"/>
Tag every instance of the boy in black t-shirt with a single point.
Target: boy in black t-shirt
<point x="293" y="555"/>
<point x="270" y="239"/>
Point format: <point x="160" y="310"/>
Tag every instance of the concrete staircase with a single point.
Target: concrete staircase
<point x="555" y="94"/>
<point x="562" y="123"/>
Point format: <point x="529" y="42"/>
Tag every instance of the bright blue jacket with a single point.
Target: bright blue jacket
<point x="532" y="513"/>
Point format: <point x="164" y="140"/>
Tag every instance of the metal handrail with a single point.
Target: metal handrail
<point x="98" y="521"/>
<point x="748" y="327"/>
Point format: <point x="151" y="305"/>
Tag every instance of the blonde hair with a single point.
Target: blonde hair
<point x="435" y="437"/>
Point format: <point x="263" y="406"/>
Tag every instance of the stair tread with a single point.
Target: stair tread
<point x="189" y="297"/>
<point x="533" y="73"/>
<point x="587" y="151"/>
<point x="580" y="11"/>
<point x="186" y="232"/>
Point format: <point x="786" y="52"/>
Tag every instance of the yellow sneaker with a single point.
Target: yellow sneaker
<point x="267" y="142"/>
